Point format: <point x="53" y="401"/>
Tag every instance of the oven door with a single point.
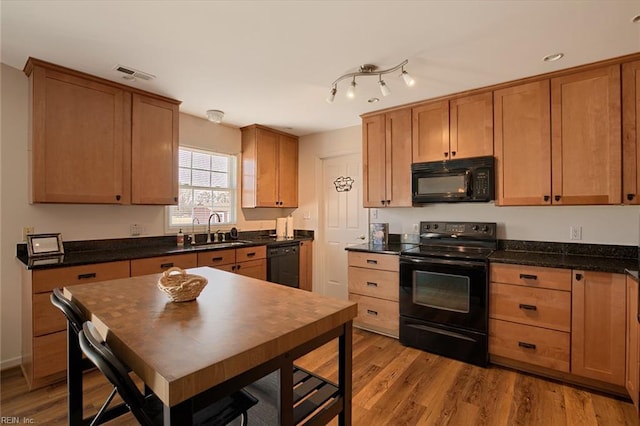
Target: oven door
<point x="442" y="291"/>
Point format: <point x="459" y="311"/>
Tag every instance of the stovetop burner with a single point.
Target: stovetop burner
<point x="455" y="240"/>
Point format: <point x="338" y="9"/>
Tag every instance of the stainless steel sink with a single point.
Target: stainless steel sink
<point x="225" y="244"/>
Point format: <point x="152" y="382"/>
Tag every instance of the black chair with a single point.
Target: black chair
<point x="75" y="320"/>
<point x="148" y="410"/>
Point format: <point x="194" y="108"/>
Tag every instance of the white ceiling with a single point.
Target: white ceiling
<point x="273" y="62"/>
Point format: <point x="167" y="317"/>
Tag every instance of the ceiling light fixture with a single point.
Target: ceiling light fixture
<point x="635" y="19"/>
<point x="370" y="70"/>
<point x="215" y="116"/>
<point x="554" y="57"/>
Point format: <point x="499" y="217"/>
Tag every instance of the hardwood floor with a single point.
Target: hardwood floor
<point x="392" y="385"/>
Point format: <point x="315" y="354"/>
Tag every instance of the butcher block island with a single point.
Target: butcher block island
<point x="238" y="330"/>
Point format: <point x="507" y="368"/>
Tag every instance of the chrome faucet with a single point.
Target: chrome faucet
<point x="209" y="227"/>
<point x="193" y="233"/>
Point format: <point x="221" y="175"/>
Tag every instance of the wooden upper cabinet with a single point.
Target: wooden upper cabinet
<point x="630" y="139"/>
<point x="154" y="151"/>
<point x="586" y="137"/>
<point x="387" y="159"/>
<point x="80" y="139"/>
<point x="522" y="121"/>
<point x="471" y="126"/>
<point x="430" y="135"/>
<point x="269" y="168"/>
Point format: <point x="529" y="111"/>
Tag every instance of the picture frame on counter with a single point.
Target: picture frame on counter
<point x="40" y="245"/>
<point x="379" y="233"/>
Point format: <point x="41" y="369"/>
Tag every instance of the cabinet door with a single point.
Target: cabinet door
<point x="374" y="161"/>
<point x="630" y="122"/>
<point x="154" y="151"/>
<point x="585" y="141"/>
<point x="253" y="268"/>
<point x="266" y="169"/>
<point x="523" y="144"/>
<point x="155" y="265"/>
<point x="632" y="373"/>
<point x="471" y="126"/>
<point x="288" y="171"/>
<point x="81" y="140"/>
<point x="398" y="158"/>
<point x="430" y="135"/>
<point x="597" y="326"/>
<point x="306" y="265"/>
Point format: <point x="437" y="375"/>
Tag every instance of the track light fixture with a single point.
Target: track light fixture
<point x="370" y="70"/>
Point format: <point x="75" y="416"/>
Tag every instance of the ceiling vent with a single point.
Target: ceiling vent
<point x="131" y="74"/>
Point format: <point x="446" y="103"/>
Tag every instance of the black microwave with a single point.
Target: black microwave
<point x="466" y="179"/>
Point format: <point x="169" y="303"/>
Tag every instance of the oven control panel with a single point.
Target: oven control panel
<point x="474" y="230"/>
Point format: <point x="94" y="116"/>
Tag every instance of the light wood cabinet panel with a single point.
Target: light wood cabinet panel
<point x="253" y="268"/>
<point x="306" y="265"/>
<point x="586" y="137"/>
<point x="471" y="126"/>
<point x="382" y="284"/>
<point x="533" y="345"/>
<point x="430" y="132"/>
<point x="630" y="138"/>
<point x="155" y="265"/>
<point x="154" y="151"/>
<point x="80" y="139"/>
<point x="522" y="142"/>
<point x="251" y="253"/>
<point x="49" y="354"/>
<point x="385" y="262"/>
<point x="248" y="261"/>
<point x="387" y="159"/>
<point x="45" y="280"/>
<point x="632" y="380"/>
<point x="269" y="168"/>
<point x="217" y="258"/>
<point x="531" y="276"/>
<point x="598" y="321"/>
<point x="46" y="317"/>
<point x="377" y="314"/>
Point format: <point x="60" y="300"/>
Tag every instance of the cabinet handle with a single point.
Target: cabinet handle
<point x="578" y="277"/>
<point x="86" y="276"/>
<point x="175" y="199"/>
<point x="166" y="265"/>
<point x="446" y="154"/>
<point x="557" y="197"/>
<point x="630" y="197"/>
<point x="370" y="284"/>
<point x="372" y="262"/>
<point x="216" y="259"/>
<point x="526" y="345"/>
<point x="382" y="202"/>
<point x="528" y="277"/>
<point x="371" y="312"/>
<point x="253" y="253"/>
<point x="233" y="268"/>
<point x="388" y="202"/>
<point x="546" y="198"/>
<point x="238" y="267"/>
<point x="117" y="198"/>
<point x="528" y="307"/>
<point x="453" y="153"/>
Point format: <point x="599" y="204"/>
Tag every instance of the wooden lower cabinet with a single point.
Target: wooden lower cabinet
<point x="155" y="265"/>
<point x="374" y="286"/>
<point x="44" y="343"/>
<point x="305" y="275"/>
<point x="632" y="380"/>
<point x="247" y="261"/>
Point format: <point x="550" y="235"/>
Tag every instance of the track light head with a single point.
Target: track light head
<point x="408" y="80"/>
<point x="351" y="91"/>
<point x="332" y="94"/>
<point x="384" y="89"/>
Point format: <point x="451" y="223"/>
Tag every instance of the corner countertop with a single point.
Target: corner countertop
<point x="101" y="251"/>
<point x="390" y="248"/>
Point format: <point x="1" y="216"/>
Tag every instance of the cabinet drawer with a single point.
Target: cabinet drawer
<point x="377" y="314"/>
<point x="539" y="307"/>
<point x="47" y="279"/>
<point x="380" y="284"/>
<point x="46" y="317"/>
<point x="49" y="354"/>
<point x="217" y="258"/>
<point x="387" y="262"/>
<point x="253" y="268"/>
<point x="155" y="265"/>
<point x="533" y="276"/>
<point x="251" y="253"/>
<point x="534" y="345"/>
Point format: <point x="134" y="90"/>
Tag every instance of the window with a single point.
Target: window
<point x="207" y="186"/>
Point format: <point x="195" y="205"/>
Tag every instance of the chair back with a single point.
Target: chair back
<point x="99" y="352"/>
<point x="70" y="310"/>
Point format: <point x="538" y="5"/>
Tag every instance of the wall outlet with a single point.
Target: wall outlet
<point x="374" y="213"/>
<point x="575" y="232"/>
<point x="26" y="230"/>
<point x="416" y="229"/>
<point x="136" y="229"/>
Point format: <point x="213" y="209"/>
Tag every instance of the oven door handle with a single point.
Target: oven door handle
<point x="431" y="261"/>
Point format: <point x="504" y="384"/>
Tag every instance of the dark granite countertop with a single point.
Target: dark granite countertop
<point x="634" y="274"/>
<point x="390" y="248"/>
<point x="101" y="251"/>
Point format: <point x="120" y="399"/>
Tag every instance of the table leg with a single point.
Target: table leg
<point x="345" y="366"/>
<point x="179" y="414"/>
<point x="74" y="378"/>
<point x="285" y="402"/>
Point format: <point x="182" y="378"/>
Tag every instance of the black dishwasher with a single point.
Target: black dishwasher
<point x="283" y="264"/>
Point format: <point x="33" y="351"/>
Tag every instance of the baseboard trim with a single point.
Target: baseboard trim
<point x="6" y="364"/>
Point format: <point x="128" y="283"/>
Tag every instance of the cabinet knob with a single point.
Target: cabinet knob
<point x="446" y="154"/>
<point x="117" y="198"/>
<point x="630" y="197"/>
<point x="578" y="277"/>
<point x="175" y="199"/>
<point x="388" y="202"/>
<point x="546" y="198"/>
<point x="382" y="202"/>
<point x="557" y="197"/>
<point x="453" y="153"/>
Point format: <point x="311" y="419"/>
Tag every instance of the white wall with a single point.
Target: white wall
<point x="76" y="222"/>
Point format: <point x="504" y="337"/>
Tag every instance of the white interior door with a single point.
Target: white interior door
<point x="344" y="220"/>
